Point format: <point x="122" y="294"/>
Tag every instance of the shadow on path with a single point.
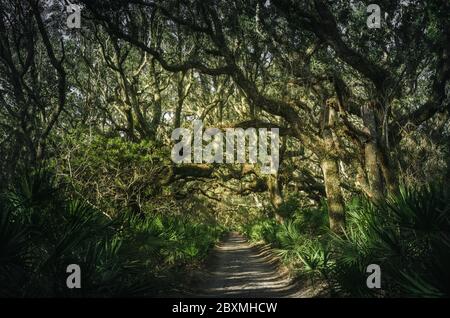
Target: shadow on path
<point x="238" y="269"/>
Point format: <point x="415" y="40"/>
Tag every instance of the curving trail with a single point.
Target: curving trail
<point x="238" y="269"/>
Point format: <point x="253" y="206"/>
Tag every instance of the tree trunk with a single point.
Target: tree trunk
<point x="390" y="178"/>
<point x="330" y="170"/>
<point x="335" y="201"/>
<point x="157" y="107"/>
<point x="371" y="153"/>
<point x="373" y="171"/>
<point x="276" y="198"/>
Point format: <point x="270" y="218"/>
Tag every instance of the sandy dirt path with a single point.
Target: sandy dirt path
<point x="238" y="269"/>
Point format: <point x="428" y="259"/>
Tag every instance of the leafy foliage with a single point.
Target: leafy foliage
<point x="359" y="112"/>
<point x="408" y="236"/>
<point x="42" y="233"/>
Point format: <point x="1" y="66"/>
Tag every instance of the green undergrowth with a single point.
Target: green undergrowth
<point x="42" y="232"/>
<point x="408" y="236"/>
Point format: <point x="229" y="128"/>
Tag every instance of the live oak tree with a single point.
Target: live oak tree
<point x="34" y="81"/>
<point x="347" y="99"/>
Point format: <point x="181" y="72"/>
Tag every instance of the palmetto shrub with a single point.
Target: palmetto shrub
<point x="408" y="236"/>
<point x="263" y="229"/>
<point x="41" y="233"/>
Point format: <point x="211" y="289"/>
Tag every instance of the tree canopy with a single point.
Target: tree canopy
<point x="361" y="111"/>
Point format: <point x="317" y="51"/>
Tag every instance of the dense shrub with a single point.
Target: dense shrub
<point x="408" y="236"/>
<point x="263" y="229"/>
<point x="41" y="233"/>
<point x="113" y="173"/>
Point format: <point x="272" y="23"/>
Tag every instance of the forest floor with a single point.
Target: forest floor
<point x="237" y="268"/>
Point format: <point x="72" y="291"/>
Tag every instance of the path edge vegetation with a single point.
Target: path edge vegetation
<point x="86" y="116"/>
